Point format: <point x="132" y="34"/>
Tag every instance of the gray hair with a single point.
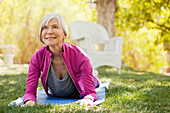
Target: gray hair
<point x="47" y="18"/>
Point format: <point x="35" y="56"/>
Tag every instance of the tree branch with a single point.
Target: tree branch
<point x="1" y="1"/>
<point x="158" y="28"/>
<point x="160" y="25"/>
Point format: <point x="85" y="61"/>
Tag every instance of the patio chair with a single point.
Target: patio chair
<point x="94" y="40"/>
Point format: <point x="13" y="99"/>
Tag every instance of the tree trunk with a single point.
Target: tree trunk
<point x="106" y="10"/>
<point x="167" y="46"/>
<point x="1" y="1"/>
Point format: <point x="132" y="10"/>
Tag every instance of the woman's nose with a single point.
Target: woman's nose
<point x="49" y="30"/>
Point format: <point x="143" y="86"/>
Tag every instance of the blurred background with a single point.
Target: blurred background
<point x="143" y="24"/>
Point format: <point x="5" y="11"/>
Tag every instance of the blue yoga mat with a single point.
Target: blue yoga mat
<point x="42" y="98"/>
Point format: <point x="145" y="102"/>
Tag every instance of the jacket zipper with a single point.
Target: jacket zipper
<point x="47" y="75"/>
<point x="70" y="74"/>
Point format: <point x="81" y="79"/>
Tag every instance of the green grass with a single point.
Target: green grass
<point x="132" y="91"/>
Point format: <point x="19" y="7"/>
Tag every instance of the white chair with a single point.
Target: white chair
<point x="88" y="34"/>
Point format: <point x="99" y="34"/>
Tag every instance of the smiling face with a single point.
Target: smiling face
<point x="52" y="34"/>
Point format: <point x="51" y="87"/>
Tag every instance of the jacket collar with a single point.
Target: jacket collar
<point x="51" y="54"/>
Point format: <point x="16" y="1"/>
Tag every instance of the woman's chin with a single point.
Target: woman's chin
<point x="50" y="44"/>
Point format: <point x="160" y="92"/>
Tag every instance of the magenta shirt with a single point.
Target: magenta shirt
<point x="77" y="63"/>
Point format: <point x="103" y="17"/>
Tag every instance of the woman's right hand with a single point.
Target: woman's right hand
<point x="29" y="103"/>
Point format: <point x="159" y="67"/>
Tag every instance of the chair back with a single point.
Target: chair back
<point x="96" y="32"/>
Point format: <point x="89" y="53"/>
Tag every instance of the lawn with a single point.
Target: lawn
<point x="132" y="91"/>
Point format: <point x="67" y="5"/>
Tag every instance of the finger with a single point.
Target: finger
<point x="39" y="104"/>
<point x="87" y="103"/>
<point x="77" y="102"/>
<point x="23" y="105"/>
<point x="82" y="102"/>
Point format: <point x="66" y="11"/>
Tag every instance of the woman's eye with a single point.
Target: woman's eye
<point x="55" y="27"/>
<point x="45" y="27"/>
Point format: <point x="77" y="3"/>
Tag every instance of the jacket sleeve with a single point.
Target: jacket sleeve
<point x="87" y="79"/>
<point x="32" y="80"/>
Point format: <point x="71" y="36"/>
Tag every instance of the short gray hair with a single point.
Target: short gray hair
<point x="47" y="18"/>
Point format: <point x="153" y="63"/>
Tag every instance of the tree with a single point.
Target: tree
<point x="20" y="20"/>
<point x="151" y="16"/>
<point x="106" y="10"/>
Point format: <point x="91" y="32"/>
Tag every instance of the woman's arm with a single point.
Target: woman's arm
<point x="32" y="80"/>
<point x="87" y="79"/>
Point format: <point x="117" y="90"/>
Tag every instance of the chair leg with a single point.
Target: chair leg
<point x="119" y="71"/>
<point x="95" y="72"/>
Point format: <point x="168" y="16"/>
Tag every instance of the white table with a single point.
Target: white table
<point x="7" y="54"/>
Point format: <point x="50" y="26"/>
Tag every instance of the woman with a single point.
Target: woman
<point x="65" y="70"/>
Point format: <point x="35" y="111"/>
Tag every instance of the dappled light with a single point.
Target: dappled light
<point x="127" y="92"/>
<point x="145" y="30"/>
<point x="12" y="82"/>
<point x="141" y="96"/>
<point x="111" y="70"/>
<point x="13" y="70"/>
<point x="144" y="25"/>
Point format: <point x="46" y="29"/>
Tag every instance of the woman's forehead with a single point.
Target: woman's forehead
<point x="52" y="21"/>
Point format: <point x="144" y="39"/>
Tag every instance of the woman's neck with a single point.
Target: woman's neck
<point x="56" y="49"/>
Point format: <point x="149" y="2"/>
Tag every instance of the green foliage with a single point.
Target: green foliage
<point x="132" y="91"/>
<point x="144" y="24"/>
<point x="153" y="14"/>
<point x="141" y="52"/>
<point x="20" y="20"/>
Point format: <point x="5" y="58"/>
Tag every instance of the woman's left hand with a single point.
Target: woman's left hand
<point x="86" y="102"/>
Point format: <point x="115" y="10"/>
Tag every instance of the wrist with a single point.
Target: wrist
<point x="89" y="97"/>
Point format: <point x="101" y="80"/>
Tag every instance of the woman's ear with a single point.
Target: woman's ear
<point x="65" y="36"/>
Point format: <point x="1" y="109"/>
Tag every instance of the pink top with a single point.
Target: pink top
<point x="77" y="63"/>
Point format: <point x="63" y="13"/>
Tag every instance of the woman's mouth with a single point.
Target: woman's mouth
<point x="50" y="37"/>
